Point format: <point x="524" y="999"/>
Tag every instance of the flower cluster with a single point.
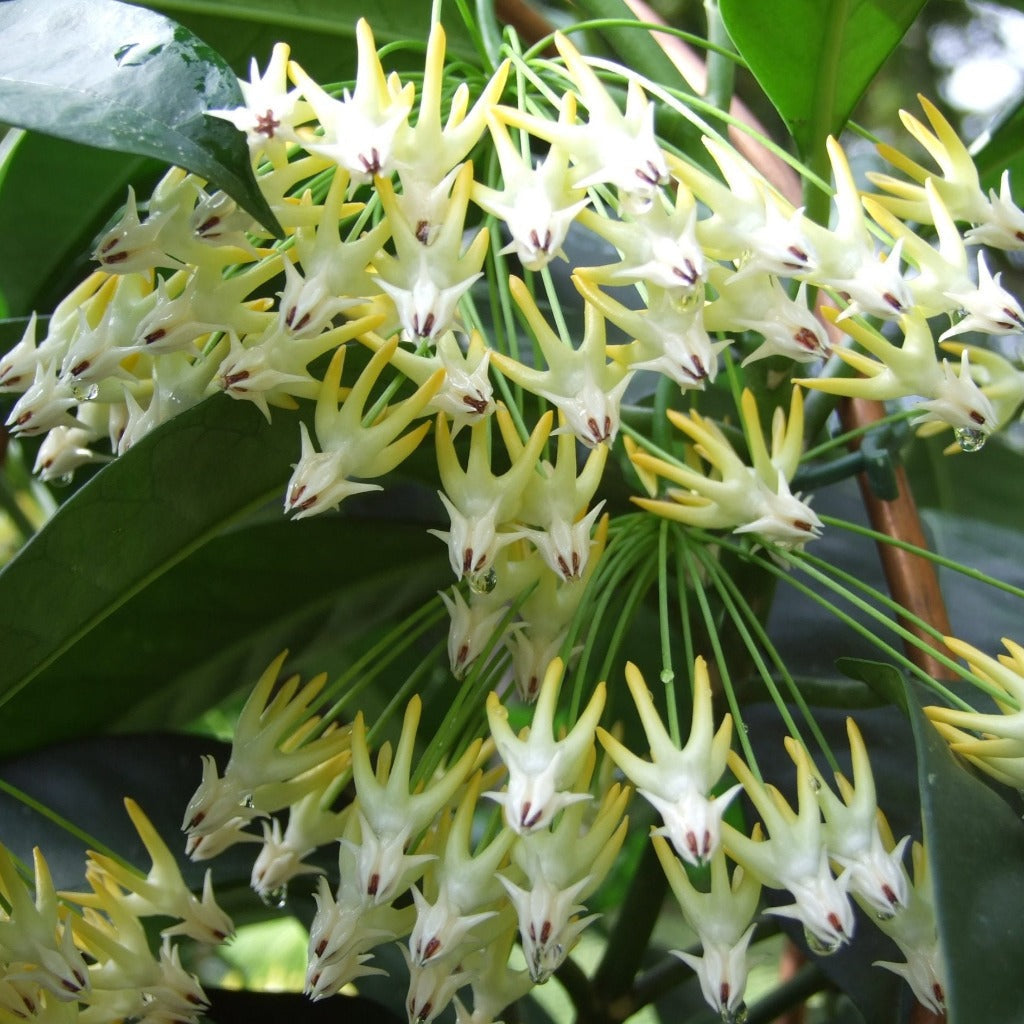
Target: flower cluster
<point x="88" y="956"/>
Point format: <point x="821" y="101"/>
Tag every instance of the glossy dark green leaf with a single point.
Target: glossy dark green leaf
<point x="123" y="78"/>
<point x="137" y="518"/>
<point x="814" y="59"/>
<point x="975" y="844"/>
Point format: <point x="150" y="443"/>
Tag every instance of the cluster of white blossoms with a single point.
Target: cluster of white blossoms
<point x="409" y="870"/>
<point x="377" y="197"/>
<point x="88" y="956"/>
<point x="370" y="309"/>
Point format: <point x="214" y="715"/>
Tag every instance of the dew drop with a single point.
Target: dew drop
<point x="737" y="1015"/>
<point x="816" y="944"/>
<point x="815" y="783"/>
<point x="884" y="915"/>
<point x="64" y="480"/>
<point x="249" y="800"/>
<point x="482" y="582"/>
<point x="969" y="439"/>
<point x="276" y="898"/>
<point x="86" y="394"/>
<point x="668" y="677"/>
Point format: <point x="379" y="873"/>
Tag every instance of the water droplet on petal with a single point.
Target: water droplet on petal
<point x="276" y="898"/>
<point x="816" y="944"/>
<point x="482" y="582"/>
<point x="815" y="783"/>
<point x="969" y="439"/>
<point x="249" y="800"/>
<point x="64" y="480"/>
<point x="884" y="915"/>
<point x="735" y="1016"/>
<point x="86" y="394"/>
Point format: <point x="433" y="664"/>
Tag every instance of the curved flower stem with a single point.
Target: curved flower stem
<point x="795" y="991"/>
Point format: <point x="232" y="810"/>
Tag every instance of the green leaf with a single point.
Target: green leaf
<point x="886" y="680"/>
<point x="813" y="59"/>
<point x="119" y="77"/>
<point x="975" y="845"/>
<point x="238" y="601"/>
<point x="136" y="519"/>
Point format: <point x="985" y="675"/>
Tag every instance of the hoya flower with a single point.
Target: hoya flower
<point x="853" y="835"/>
<point x="750" y="222"/>
<point x="915" y="931"/>
<point x="63" y="450"/>
<point x="350" y="450"/>
<point x="426" y="281"/>
<point x="45" y="404"/>
<point x="360" y="129"/>
<point x="310" y="826"/>
<point x="478" y="502"/>
<point x="723" y="921"/>
<point x="162" y="891"/>
<point x="132" y="244"/>
<point x="466" y="396"/>
<point x="989" y="307"/>
<point x="463" y="884"/>
<point x="36" y="942"/>
<point x="431" y="988"/>
<point x="669" y="337"/>
<point x="389" y="807"/>
<point x="335" y="272"/>
<point x="578" y="381"/>
<point x="998" y="221"/>
<point x="127" y="979"/>
<point x="614" y="147"/>
<point x="554" y="501"/>
<point x="759" y="303"/>
<point x="912" y="368"/>
<point x="472" y="627"/>
<point x="538" y="203"/>
<point x="427" y="151"/>
<point x="992" y="742"/>
<point x="1001" y="382"/>
<point x="657" y="247"/>
<point x="794" y="857"/>
<point x="547" y="613"/>
<point x="549" y="923"/>
<point x="273" y="744"/>
<point x="494" y="982"/>
<point x="563" y="865"/>
<point x="748" y="499"/>
<point x="541" y="769"/>
<point x="678" y="782"/>
<point x="271" y="111"/>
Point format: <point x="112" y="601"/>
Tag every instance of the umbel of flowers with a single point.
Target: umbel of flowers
<point x="393" y="307"/>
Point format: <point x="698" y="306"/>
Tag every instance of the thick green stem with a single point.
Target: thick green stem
<point x="721" y="69"/>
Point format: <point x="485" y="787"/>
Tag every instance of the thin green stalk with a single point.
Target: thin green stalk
<point x="780" y="666"/>
<point x="684" y="601"/>
<point x="87" y="838"/>
<point x="668" y="676"/>
<point x="642" y="581"/>
<point x="600" y="24"/>
<point x="368" y="666"/>
<point x="723" y="668"/>
<point x="718" y="578"/>
<point x="904" y="634"/>
<point x="843" y="440"/>
<point x="932" y="556"/>
<point x="404" y="693"/>
<point x="721" y="70"/>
